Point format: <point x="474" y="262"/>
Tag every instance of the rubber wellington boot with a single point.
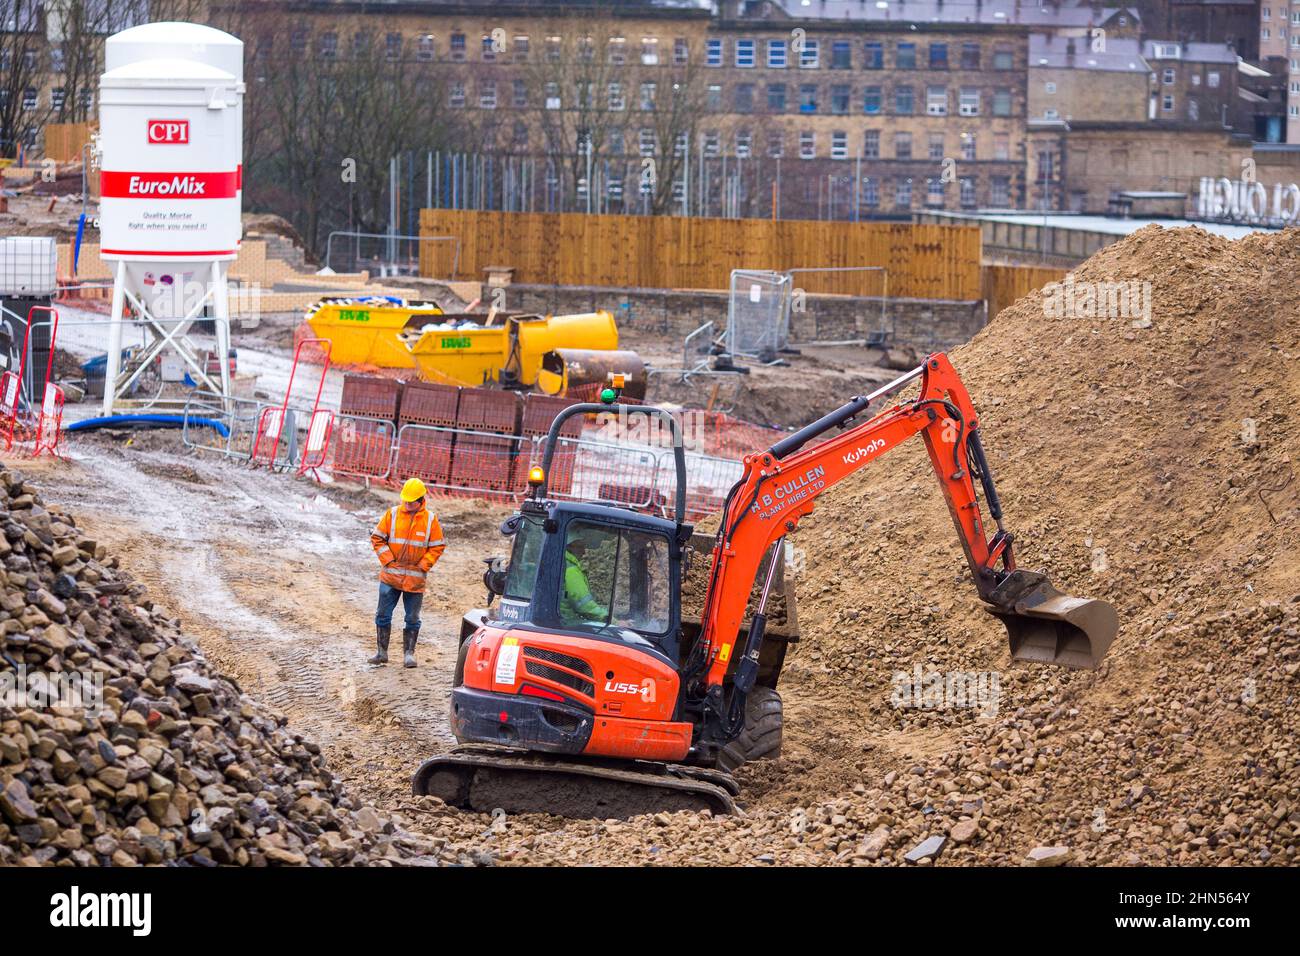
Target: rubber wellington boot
<point x="381" y="643"/>
<point x="408" y="647"/>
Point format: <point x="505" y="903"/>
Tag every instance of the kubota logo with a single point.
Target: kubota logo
<point x="645" y="690"/>
<point x="169" y="131"/>
<point x="175" y="186"/>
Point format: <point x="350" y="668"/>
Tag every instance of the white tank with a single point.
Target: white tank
<point x="171" y="140"/>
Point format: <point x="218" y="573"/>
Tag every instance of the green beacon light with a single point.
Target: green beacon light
<point x="608" y="396"/>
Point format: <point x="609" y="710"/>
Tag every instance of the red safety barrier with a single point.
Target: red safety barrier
<point x="424" y="452"/>
<point x="270" y="423"/>
<point x="21" y="423"/>
<point x="318" y="442"/>
<point x="485" y="463"/>
<point x="363" y="448"/>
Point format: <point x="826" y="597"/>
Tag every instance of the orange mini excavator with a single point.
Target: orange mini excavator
<point x="584" y="693"/>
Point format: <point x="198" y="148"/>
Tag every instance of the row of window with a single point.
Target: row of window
<point x="31" y="98"/>
<point x="493" y="47"/>
<point x="809" y="54"/>
<point x="903" y="146"/>
<point x="1281" y="35"/>
<point x="871" y="190"/>
<point x="840" y="99"/>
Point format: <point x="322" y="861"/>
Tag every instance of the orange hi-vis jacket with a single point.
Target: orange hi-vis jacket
<point x="408" y="545"/>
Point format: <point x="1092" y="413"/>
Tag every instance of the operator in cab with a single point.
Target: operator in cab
<point x="577" y="603"/>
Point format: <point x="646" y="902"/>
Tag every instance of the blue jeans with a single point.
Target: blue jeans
<point x="388" y="597"/>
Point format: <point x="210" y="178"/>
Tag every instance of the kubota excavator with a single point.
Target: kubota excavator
<point x="603" y="703"/>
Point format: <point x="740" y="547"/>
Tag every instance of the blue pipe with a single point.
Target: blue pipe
<point x="172" y="421"/>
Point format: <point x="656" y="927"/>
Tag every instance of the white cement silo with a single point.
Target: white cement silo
<point x="171" y="141"/>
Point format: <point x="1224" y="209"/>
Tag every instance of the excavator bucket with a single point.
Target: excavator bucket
<point x="1048" y="627"/>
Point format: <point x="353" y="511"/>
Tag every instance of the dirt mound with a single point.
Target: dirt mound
<point x="1145" y="458"/>
<point x="147" y="755"/>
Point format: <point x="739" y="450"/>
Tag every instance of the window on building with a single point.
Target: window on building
<point x="903" y="193"/>
<point x="329" y="45"/>
<point x="489" y="47"/>
<point x="297" y="41"/>
<point x="57" y="96"/>
<point x="1003" y="59"/>
<point x="870" y="192"/>
<point x="681" y="144"/>
<point x="487" y="95"/>
<point x="967" y="192"/>
<point x="970" y="56"/>
<point x="393" y="46"/>
<point x="520" y="98"/>
<point x="807" y="144"/>
<point x="456" y="95"/>
<point x="1212" y="79"/>
<point x="744" y="143"/>
<point x="904" y="100"/>
<point x="840" y="97"/>
<point x="553" y="101"/>
<point x="585" y="93"/>
<point x="617" y="101"/>
<point x="839" y="145"/>
<point x="617" y="50"/>
<point x="744" y="93"/>
<point x="745" y="53"/>
<point x="521" y="49"/>
<point x="936" y="147"/>
<point x="648" y="96"/>
<point x="968" y="103"/>
<point x="456" y="47"/>
<point x="1002" y="101"/>
<point x="873" y="55"/>
<point x="938" y="56"/>
<point x="1051" y="113"/>
<point x="905" y="56"/>
<point x="1193" y="109"/>
<point x="934" y="191"/>
<point x="776" y="97"/>
<point x="713" y="52"/>
<point x="1000" y="192"/>
<point x="646" y="143"/>
<point x="713" y="97"/>
<point x="902" y="145"/>
<point x="57" y="58"/>
<point x="1168" y="77"/>
<point x="681" y="51"/>
<point x="776" y="54"/>
<point x="968" y="147"/>
<point x="1167" y="103"/>
<point x="841" y="55"/>
<point x="936" y="100"/>
<point x="426" y="47"/>
<point x="810" y="56"/>
<point x="808" y="98"/>
<point x="1049" y="88"/>
<point x="519" y="134"/>
<point x="775" y="144"/>
<point x="871" y="144"/>
<point x="1001" y="146"/>
<point x="649" y="51"/>
<point x="554" y="49"/>
<point x="871" y="100"/>
<point x="85" y="98"/>
<point x="712" y="143"/>
<point x="1196" y="79"/>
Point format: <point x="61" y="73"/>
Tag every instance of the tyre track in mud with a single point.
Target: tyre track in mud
<point x="276" y="582"/>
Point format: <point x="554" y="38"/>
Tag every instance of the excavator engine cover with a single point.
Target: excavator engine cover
<point x="1048" y="627"/>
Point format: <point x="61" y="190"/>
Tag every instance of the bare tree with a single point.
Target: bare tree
<point x="22" y="50"/>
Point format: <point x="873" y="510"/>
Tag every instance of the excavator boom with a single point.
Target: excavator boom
<point x="779" y="486"/>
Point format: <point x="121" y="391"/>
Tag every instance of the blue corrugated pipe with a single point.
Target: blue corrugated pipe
<point x="172" y="421"/>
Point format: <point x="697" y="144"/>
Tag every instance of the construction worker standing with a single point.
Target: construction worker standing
<point x="408" y="541"/>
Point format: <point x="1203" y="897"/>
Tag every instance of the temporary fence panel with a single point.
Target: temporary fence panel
<point x="816" y="309"/>
<point x="9" y="402"/>
<point x="363" y="448"/>
<point x="238" y="416"/>
<point x="49" y="426"/>
<point x="318" y="441"/>
<point x="757" y="313"/>
<point x="424" y="452"/>
<point x="23" y="418"/>
<point x="924" y="261"/>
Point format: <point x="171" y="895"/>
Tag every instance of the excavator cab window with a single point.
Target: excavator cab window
<point x="524" y="557"/>
<point x="615" y="578"/>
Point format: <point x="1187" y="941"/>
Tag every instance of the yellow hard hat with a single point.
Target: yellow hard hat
<point x="413" y="490"/>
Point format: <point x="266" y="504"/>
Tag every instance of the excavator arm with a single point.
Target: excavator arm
<point x="779" y="486"/>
